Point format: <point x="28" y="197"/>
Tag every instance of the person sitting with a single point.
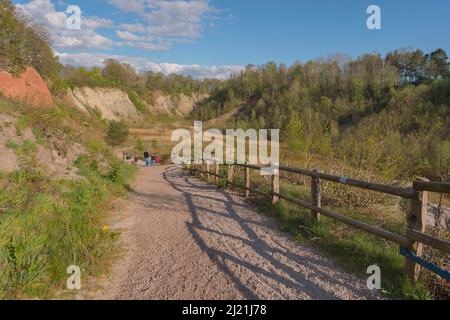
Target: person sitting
<point x="158" y="160"/>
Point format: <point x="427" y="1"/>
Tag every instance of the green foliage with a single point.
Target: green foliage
<point x="50" y="225"/>
<point x="117" y="132"/>
<point x="24" y="259"/>
<point x="175" y="84"/>
<point x="78" y="77"/>
<point x="381" y="118"/>
<point x="140" y="87"/>
<point x="307" y="134"/>
<point x="25" y="43"/>
<point x="11" y="145"/>
<point x="140" y="145"/>
<point x="155" y="143"/>
<point x="59" y="87"/>
<point x="140" y="106"/>
<point x="122" y="73"/>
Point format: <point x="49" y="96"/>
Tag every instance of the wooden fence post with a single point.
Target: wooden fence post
<point x="275" y="186"/>
<point x="202" y="168"/>
<point x="246" y="181"/>
<point x="315" y="197"/>
<point x="217" y="167"/>
<point x="230" y="177"/>
<point x="416" y="220"/>
<point x="207" y="170"/>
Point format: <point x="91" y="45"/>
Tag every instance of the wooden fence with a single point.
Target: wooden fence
<point x="414" y="237"/>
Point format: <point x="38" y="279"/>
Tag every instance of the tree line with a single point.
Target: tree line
<point x="141" y="86"/>
<point x="383" y="115"/>
<point x="24" y="42"/>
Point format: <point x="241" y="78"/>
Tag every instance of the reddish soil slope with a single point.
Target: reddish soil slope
<point x="29" y="87"/>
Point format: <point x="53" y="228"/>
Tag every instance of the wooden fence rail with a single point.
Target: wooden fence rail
<point x="439" y="187"/>
<point x="413" y="239"/>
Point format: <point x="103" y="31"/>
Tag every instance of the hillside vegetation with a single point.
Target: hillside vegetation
<point x="58" y="177"/>
<point x="382" y="119"/>
<point x="51" y="221"/>
<point x="25" y="43"/>
<point x="387" y="115"/>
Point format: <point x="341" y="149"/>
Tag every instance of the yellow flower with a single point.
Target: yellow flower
<point x="105" y="228"/>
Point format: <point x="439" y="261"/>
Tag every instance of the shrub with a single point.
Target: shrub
<point x="117" y="133"/>
<point x="140" y="106"/>
<point x="140" y="145"/>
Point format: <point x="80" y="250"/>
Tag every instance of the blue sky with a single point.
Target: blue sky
<point x="217" y="37"/>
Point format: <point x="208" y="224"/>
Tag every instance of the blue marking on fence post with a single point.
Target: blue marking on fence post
<point x="427" y="265"/>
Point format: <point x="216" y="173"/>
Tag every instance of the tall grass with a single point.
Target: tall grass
<point x="48" y="224"/>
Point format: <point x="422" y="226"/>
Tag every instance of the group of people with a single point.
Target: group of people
<point x="151" y="160"/>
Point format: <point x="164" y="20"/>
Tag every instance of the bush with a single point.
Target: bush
<point x="140" y="106"/>
<point x="140" y="145"/>
<point x="117" y="133"/>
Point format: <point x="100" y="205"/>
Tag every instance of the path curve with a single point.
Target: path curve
<point x="186" y="239"/>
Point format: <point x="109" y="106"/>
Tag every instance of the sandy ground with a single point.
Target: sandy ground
<point x="185" y="239"/>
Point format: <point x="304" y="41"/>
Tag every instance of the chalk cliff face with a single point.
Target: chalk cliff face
<point x="181" y="105"/>
<point x="28" y="87"/>
<point x="111" y="103"/>
<point x="114" y="104"/>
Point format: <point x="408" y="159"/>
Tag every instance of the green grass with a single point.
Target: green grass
<point x="352" y="249"/>
<point x="11" y="145"/>
<point x="48" y="224"/>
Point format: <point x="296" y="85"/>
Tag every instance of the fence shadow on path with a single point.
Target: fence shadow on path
<point x="262" y="263"/>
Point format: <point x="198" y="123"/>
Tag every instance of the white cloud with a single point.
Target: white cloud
<point x="173" y="19"/>
<point x="133" y="27"/>
<point x="143" y="64"/>
<point x="130" y="5"/>
<point x="125" y="35"/>
<point x="156" y="25"/>
<point x="44" y="12"/>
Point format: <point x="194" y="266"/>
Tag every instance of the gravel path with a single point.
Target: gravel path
<point x="186" y="239"/>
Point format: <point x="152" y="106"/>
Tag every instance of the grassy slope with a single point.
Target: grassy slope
<point x="48" y="224"/>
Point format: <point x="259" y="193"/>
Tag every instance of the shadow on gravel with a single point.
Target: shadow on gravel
<point x="280" y="280"/>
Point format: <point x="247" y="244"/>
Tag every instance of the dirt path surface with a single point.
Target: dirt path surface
<point x="186" y="239"/>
